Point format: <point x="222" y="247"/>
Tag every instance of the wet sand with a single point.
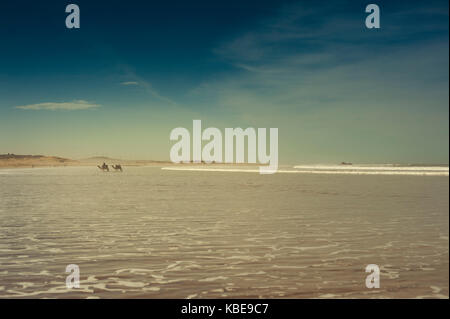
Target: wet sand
<point x="152" y="233"/>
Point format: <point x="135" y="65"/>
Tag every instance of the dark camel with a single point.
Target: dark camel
<point x="117" y="167"/>
<point x="104" y="167"/>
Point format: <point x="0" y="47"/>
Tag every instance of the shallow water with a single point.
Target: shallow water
<point x="152" y="233"/>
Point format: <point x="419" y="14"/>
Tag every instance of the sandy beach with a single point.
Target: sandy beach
<point x="30" y="161"/>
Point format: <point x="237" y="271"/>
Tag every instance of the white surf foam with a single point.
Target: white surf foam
<point x="336" y="170"/>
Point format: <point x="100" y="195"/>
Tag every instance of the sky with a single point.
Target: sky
<point x="134" y="70"/>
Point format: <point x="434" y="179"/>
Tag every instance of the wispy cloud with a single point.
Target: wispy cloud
<point x="56" y="106"/>
<point x="130" y="83"/>
<point x="308" y="31"/>
<point x="329" y="85"/>
<point x="146" y="85"/>
<point x="334" y="62"/>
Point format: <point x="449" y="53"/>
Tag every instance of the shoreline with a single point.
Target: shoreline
<point x="123" y="163"/>
<point x="12" y="161"/>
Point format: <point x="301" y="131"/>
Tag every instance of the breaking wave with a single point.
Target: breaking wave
<point x="336" y="169"/>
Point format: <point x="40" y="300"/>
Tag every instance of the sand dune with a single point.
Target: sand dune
<point x="29" y="161"/>
<point x="12" y="160"/>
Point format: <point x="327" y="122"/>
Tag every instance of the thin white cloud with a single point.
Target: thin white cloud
<point x="56" y="106"/>
<point x="147" y="86"/>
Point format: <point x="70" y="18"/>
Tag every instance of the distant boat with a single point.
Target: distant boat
<point x="345" y="163"/>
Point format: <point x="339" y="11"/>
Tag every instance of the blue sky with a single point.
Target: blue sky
<point x="137" y="69"/>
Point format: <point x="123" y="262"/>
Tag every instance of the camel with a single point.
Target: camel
<point x="117" y="167"/>
<point x="104" y="167"/>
